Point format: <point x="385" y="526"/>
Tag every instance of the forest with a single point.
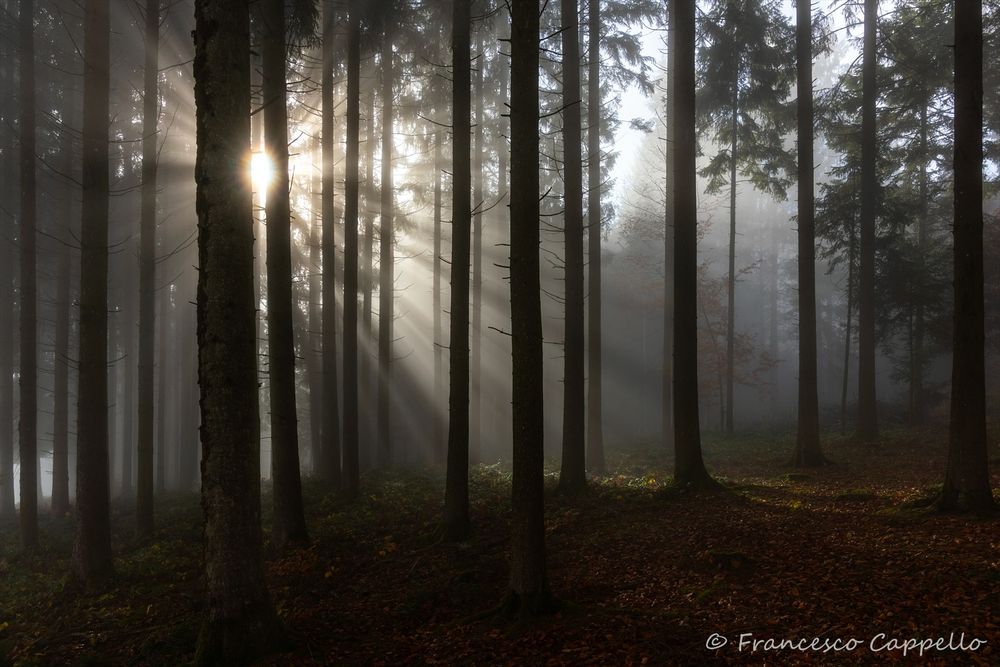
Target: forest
<point x="583" y="332"/>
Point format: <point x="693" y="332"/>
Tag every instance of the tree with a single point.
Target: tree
<point x="147" y="271"/>
<point x="689" y="468"/>
<point x="386" y="258"/>
<point x="92" y="549"/>
<point x="573" y="475"/>
<point x="289" y="516"/>
<point x="329" y="464"/>
<point x="967" y="476"/>
<point x="807" y="446"/>
<point x="867" y="406"/>
<point x="528" y="593"/>
<point x="28" y="372"/>
<point x="240" y="623"/>
<point x="350" y="472"/>
<point x="476" y="370"/>
<point x="595" y="422"/>
<point x="7" y="511"/>
<point x="456" y="500"/>
<point x="744" y="79"/>
<point x="669" y="237"/>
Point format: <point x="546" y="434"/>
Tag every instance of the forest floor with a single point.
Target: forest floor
<point x="646" y="575"/>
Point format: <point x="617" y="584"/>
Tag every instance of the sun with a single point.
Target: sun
<point x="261" y="172"/>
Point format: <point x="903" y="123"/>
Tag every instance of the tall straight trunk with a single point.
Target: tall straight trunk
<point x="595" y="403"/>
<point x="162" y="392"/>
<point x="689" y="467"/>
<point x="28" y="371"/>
<point x="772" y="334"/>
<point x="667" y="381"/>
<point x="917" y="369"/>
<point x="92" y="550"/>
<point x="528" y="592"/>
<point x="439" y="443"/>
<point x="731" y="280"/>
<point x="476" y="369"/>
<point x="60" y="418"/>
<point x="289" y="516"/>
<point x="386" y="262"/>
<point x="456" y="499"/>
<point x="128" y="406"/>
<point x="367" y="283"/>
<point x="330" y="461"/>
<point x="7" y="61"/>
<point x="847" y="334"/>
<point x="573" y="475"/>
<point x="967" y="476"/>
<point x="147" y="273"/>
<point x="113" y="372"/>
<point x="240" y="623"/>
<point x="350" y="478"/>
<point x="807" y="446"/>
<point x="867" y="406"/>
<point x="314" y="337"/>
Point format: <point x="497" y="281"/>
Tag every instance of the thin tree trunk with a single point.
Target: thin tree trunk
<point x="147" y="272"/>
<point x="28" y="371"/>
<point x="330" y="462"/>
<point x="386" y="263"/>
<point x="456" y="501"/>
<point x="350" y="477"/>
<point x="528" y="592"/>
<point x="367" y="282"/>
<point x="439" y="442"/>
<point x="162" y="397"/>
<point x="689" y="468"/>
<point x="573" y="474"/>
<point x="667" y="379"/>
<point x="60" y="423"/>
<point x="731" y="280"/>
<point x="315" y="337"/>
<point x="847" y="334"/>
<point x="92" y="550"/>
<point x="917" y="371"/>
<point x="7" y="313"/>
<point x="807" y="445"/>
<point x="595" y="403"/>
<point x="240" y="623"/>
<point x="476" y="370"/>
<point x="289" y="516"/>
<point x="867" y="406"/>
<point x="967" y="476"/>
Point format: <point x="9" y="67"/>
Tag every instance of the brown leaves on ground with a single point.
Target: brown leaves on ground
<point x="646" y="575"/>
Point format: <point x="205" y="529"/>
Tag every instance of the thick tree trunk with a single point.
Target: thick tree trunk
<point x="289" y="517"/>
<point x="528" y="592"/>
<point x="456" y="501"/>
<point x="807" y="445"/>
<point x="967" y="476"/>
<point x="350" y="477"/>
<point x="867" y="406"/>
<point x="667" y="379"/>
<point x="476" y="369"/>
<point x="92" y="550"/>
<point x="240" y="622"/>
<point x="28" y="371"/>
<point x="689" y="468"/>
<point x="330" y="461"/>
<point x="440" y="451"/>
<point x="595" y="403"/>
<point x="573" y="474"/>
<point x="386" y="263"/>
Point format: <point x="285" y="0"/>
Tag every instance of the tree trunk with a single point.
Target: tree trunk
<point x="162" y="397"/>
<point x="60" y="423"/>
<point x="595" y="403"/>
<point x="386" y="263"/>
<point x="350" y="477"/>
<point x="439" y="442"/>
<point x="7" y="314"/>
<point x="289" y="517"/>
<point x="689" y="468"/>
<point x="917" y="370"/>
<point x="573" y="475"/>
<point x="28" y="371"/>
<point x="807" y="445"/>
<point x="476" y="370"/>
<point x="240" y="623"/>
<point x="528" y="592"/>
<point x="867" y="406"/>
<point x="847" y="334"/>
<point x="667" y="379"/>
<point x="367" y="282"/>
<point x="456" y="501"/>
<point x="92" y="550"/>
<point x="731" y="280"/>
<point x="967" y="476"/>
<point x="314" y="336"/>
<point x="330" y="461"/>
